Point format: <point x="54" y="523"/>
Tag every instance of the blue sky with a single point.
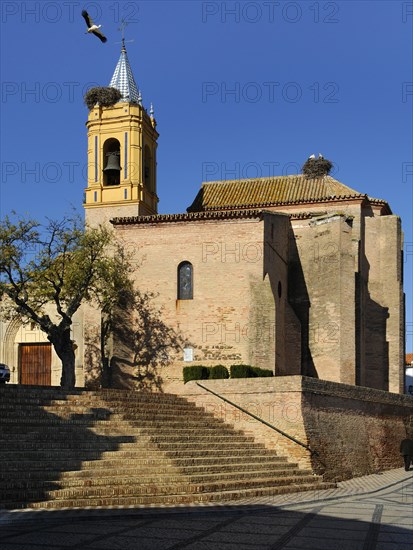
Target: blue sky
<point x="240" y="89"/>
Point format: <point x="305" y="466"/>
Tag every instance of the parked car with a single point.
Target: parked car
<point x="4" y="373"/>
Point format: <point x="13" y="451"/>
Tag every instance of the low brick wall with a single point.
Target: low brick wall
<point x="355" y="430"/>
<point x="275" y="400"/>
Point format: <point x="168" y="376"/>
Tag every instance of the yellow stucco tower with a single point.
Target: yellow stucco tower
<point x="122" y="142"/>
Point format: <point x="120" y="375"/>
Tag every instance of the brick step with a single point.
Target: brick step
<point x="159" y="487"/>
<point x="122" y="442"/>
<point x="104" y="444"/>
<point x="81" y="406"/>
<point x="42" y="417"/>
<point x="202" y="459"/>
<point x="174" y="451"/>
<point x="150" y="470"/>
<point x="27" y="391"/>
<point x="131" y="410"/>
<point x="10" y="428"/>
<point x="172" y="424"/>
<point x="56" y="392"/>
<point x="171" y="500"/>
<point x="124" y="448"/>
<point x="130" y="490"/>
<point x="105" y="429"/>
<point x="66" y="482"/>
<point x="121" y="474"/>
<point x="186" y="450"/>
<point x="128" y="397"/>
<point x="85" y="396"/>
<point x="77" y="464"/>
<point x="66" y="410"/>
<point x="155" y="460"/>
<point x="201" y="440"/>
<point x="32" y="424"/>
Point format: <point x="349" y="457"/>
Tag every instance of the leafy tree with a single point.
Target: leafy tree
<point x="47" y="272"/>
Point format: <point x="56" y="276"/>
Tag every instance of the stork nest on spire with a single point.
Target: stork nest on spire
<point x="316" y="168"/>
<point x="106" y="96"/>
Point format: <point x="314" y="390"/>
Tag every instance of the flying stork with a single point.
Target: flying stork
<point x="91" y="27"/>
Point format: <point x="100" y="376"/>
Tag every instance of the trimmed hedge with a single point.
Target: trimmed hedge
<point x="196" y="372"/>
<point x="262" y="372"/>
<point x="246" y="371"/>
<point x="241" y="371"/>
<point x="218" y="372"/>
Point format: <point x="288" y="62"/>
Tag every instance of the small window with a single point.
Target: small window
<point x="185" y="281"/>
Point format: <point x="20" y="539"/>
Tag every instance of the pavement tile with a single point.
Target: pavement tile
<point x="247" y="528"/>
<point x="208" y="545"/>
<point x="338" y="523"/>
<point x="130" y="543"/>
<point x="158" y="531"/>
<point x="393" y="546"/>
<point x="242" y="538"/>
<point x="396" y="537"/>
<point x="321" y="532"/>
<point x="46" y="538"/>
<point x="325" y="544"/>
<point x="92" y="527"/>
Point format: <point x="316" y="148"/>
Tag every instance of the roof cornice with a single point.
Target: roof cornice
<point x="190" y="216"/>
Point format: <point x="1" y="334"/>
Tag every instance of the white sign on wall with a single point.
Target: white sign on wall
<point x="188" y="355"/>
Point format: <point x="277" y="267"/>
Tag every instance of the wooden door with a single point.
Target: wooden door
<point x="35" y="364"/>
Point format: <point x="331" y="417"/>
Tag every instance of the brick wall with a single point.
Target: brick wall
<point x="383" y="304"/>
<point x="232" y="316"/>
<point x="322" y="280"/>
<point x="355" y="430"/>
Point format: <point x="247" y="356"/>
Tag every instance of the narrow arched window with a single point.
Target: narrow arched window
<point x="148" y="168"/>
<point x="185" y="281"/>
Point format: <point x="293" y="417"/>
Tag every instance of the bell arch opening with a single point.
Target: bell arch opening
<point x="148" y="172"/>
<point x="111" y="162"/>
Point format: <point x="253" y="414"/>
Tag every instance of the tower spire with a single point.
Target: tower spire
<point x="122" y="78"/>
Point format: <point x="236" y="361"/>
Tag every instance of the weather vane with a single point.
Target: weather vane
<point x="123" y="25"/>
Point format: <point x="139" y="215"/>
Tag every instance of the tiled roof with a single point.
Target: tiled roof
<point x="409" y="358"/>
<point x="123" y="80"/>
<point x="265" y="192"/>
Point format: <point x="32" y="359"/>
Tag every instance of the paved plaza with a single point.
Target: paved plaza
<point x="369" y="513"/>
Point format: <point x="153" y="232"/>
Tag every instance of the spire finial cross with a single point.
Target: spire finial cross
<point x="123" y="25"/>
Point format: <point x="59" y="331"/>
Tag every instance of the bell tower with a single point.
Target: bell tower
<point x="122" y="142"/>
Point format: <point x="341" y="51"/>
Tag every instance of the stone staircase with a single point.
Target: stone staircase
<point x="117" y="448"/>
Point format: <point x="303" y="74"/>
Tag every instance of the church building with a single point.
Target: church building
<point x="294" y="274"/>
<point x="300" y="275"/>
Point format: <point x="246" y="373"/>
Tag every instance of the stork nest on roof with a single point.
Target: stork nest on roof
<point x="316" y="168"/>
<point x="105" y="96"/>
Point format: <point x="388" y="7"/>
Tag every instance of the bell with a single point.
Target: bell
<point x="113" y="162"/>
